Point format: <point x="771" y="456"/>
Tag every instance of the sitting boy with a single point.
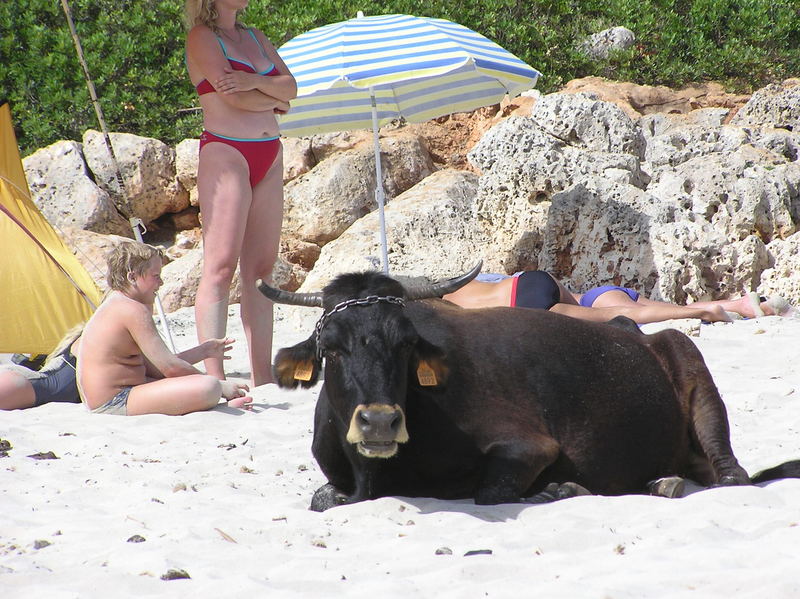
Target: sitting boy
<point x="124" y="367"/>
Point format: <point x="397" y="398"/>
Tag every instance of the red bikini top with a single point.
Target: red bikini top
<point x="205" y="87"/>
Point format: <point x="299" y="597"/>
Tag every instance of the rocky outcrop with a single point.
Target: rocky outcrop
<point x="694" y="219"/>
<point x="182" y="276"/>
<point x="321" y="204"/>
<point x="63" y="189"/>
<point x="777" y="105"/>
<point x="638" y="100"/>
<point x="424" y="237"/>
<point x="674" y="193"/>
<point x="149" y="186"/>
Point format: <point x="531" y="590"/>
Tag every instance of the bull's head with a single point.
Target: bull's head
<point x="371" y="348"/>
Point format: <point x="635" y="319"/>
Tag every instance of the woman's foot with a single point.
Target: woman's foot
<point x="716" y="314"/>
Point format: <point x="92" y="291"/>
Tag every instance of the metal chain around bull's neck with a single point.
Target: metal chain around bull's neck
<point x="358" y="301"/>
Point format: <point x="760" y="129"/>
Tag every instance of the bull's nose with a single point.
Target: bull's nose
<point x="380" y="423"/>
<point x="377" y="429"/>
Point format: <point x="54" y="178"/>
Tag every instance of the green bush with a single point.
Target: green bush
<point x="135" y="54"/>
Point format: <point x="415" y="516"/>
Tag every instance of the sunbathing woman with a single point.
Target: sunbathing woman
<point x="537" y="289"/>
<point x="22" y="387"/>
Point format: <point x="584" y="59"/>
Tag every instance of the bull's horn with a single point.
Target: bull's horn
<point x="279" y="296"/>
<point x="444" y="286"/>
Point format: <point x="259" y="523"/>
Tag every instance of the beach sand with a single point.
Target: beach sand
<point x="223" y="497"/>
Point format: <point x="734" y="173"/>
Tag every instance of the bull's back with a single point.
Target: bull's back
<point x="598" y="390"/>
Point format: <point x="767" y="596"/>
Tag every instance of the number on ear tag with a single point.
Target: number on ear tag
<point x="303" y="371"/>
<point x="426" y="375"/>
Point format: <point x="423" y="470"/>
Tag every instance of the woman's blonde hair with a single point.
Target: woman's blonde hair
<point x="70" y="337"/>
<point x="204" y="12"/>
<point x="128" y="258"/>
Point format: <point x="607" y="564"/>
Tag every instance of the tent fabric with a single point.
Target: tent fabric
<point x="45" y="289"/>
<point x="417" y="67"/>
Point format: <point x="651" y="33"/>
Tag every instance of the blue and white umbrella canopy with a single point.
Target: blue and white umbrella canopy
<point x="416" y="67"/>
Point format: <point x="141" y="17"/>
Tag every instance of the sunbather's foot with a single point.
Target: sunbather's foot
<point x="716" y="314"/>
<point x="749" y="306"/>
<point x="778" y="306"/>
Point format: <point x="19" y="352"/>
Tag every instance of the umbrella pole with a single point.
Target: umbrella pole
<point x="379" y="193"/>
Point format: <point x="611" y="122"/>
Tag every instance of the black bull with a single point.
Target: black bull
<point x="423" y="398"/>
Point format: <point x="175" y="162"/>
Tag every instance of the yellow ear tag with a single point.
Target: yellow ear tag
<point x="303" y="371"/>
<point x="426" y="375"/>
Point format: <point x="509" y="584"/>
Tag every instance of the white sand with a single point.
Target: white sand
<point x="224" y="496"/>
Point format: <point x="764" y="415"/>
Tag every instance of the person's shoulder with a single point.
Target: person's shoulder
<point x="200" y="34"/>
<point x="120" y="304"/>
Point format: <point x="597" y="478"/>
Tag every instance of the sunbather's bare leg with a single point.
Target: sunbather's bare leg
<point x="16" y="392"/>
<point x="641" y="314"/>
<point x="740" y="305"/>
<point x="567" y="297"/>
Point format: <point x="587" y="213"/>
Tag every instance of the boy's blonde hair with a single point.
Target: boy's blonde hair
<point x="128" y="257"/>
<point x="204" y="12"/>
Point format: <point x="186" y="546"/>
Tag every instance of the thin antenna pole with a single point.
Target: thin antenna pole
<point x="136" y="223"/>
<point x="96" y="104"/>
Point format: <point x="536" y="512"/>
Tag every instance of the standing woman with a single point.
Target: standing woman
<point x="242" y="84"/>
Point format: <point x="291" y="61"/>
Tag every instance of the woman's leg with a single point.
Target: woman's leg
<point x="225" y="197"/>
<point x="259" y="252"/>
<point x="16" y="392"/>
<point x="639" y="313"/>
<point x="567" y="297"/>
<point x="175" y="396"/>
<point x="741" y="306"/>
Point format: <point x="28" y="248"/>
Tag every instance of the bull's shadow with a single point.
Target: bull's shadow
<point x="488" y="513"/>
<point x="504" y="512"/>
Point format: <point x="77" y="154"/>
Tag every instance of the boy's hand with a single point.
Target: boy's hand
<point x="217" y="348"/>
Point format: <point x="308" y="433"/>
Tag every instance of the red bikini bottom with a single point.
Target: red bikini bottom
<point x="258" y="153"/>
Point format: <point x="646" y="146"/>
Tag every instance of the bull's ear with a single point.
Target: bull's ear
<point x="429" y="369"/>
<point x="297" y="365"/>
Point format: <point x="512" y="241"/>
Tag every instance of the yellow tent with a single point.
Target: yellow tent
<point x="44" y="290"/>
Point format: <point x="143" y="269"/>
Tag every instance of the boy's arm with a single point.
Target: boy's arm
<point x="213" y="348"/>
<point x="152" y="373"/>
<point x="160" y="361"/>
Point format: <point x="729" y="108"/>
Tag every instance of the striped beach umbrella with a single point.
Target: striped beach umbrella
<point x="368" y="71"/>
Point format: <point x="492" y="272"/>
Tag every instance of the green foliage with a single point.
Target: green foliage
<point x="135" y="53"/>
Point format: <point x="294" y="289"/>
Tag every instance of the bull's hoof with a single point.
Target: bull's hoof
<point x="731" y="481"/>
<point x="669" y="486"/>
<point x="326" y="497"/>
<point x="556" y="492"/>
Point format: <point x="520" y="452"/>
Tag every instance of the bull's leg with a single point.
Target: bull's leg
<point x="513" y="466"/>
<point x="710" y="423"/>
<point x="329" y="452"/>
<point x="701" y="401"/>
